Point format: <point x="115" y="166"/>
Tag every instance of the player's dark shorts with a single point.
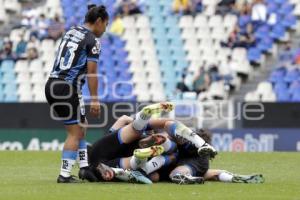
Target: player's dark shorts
<point x="198" y="165"/>
<point x="65" y="100"/>
<point x="109" y="150"/>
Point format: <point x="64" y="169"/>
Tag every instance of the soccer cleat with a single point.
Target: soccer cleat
<point x="255" y="178"/>
<point x="152" y="140"/>
<point x="157" y="108"/>
<point x="148" y="152"/>
<point x="187" y="134"/>
<point x="207" y="150"/>
<point x="71" y="179"/>
<point x="139" y="177"/>
<point x="86" y="173"/>
<point x="187" y="179"/>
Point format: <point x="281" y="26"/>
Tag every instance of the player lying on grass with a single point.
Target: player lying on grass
<point x="115" y="149"/>
<point x="189" y="168"/>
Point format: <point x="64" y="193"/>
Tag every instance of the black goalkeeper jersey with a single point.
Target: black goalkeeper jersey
<point x="78" y="46"/>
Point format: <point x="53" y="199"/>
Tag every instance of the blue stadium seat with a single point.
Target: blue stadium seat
<point x="294" y="87"/>
<point x="11" y="98"/>
<point x="272" y="7"/>
<point x="262" y="32"/>
<point x="8" y="78"/>
<point x="7" y="66"/>
<point x="278" y="74"/>
<point x="292" y="75"/>
<point x="254" y="55"/>
<point x="243" y="21"/>
<point x="289" y="21"/>
<point x="1" y="91"/>
<point x="10" y="88"/>
<point x="280" y="87"/>
<point x="283" y="96"/>
<point x="278" y="31"/>
<point x="265" y="44"/>
<point x="296" y="96"/>
<point x="286" y="9"/>
<point x="278" y="1"/>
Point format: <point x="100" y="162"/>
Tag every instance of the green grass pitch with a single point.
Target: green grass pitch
<point x="32" y="175"/>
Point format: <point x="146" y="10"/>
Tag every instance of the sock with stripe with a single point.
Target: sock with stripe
<point x="156" y="163"/>
<point x="82" y="154"/>
<point x="169" y="146"/>
<point x="68" y="160"/>
<point x="180" y="130"/>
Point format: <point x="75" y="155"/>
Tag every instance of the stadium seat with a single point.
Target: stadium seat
<point x="3" y="16"/>
<point x="200" y="21"/>
<point x="292" y="75"/>
<point x="12" y="6"/>
<point x="264" y="88"/>
<point x="215" y="21"/>
<point x="26" y="98"/>
<point x="270" y="97"/>
<point x="186" y="22"/>
<point x="254" y="55"/>
<point x="252" y="97"/>
<point x="9" y="98"/>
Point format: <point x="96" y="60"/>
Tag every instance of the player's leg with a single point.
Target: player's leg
<point x="85" y="172"/>
<point x="64" y="100"/>
<point x="158" y="162"/>
<point x="134" y="130"/>
<point x="60" y="97"/>
<point x="190" y="170"/>
<point x="111" y="169"/>
<point x="228" y="177"/>
<point x="179" y="130"/>
<point x="120" y="123"/>
<point x="69" y="153"/>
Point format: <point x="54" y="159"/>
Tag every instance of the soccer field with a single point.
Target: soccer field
<point x="32" y="175"/>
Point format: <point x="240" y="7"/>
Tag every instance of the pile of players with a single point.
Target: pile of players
<point x="147" y="150"/>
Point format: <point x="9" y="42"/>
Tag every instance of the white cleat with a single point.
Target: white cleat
<point x="182" y="179"/>
<point x="207" y="150"/>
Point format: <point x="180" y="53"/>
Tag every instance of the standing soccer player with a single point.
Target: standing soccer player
<point x="76" y="59"/>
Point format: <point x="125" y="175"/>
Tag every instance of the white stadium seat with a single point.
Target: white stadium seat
<point x="26" y="97"/>
<point x="3" y="16"/>
<point x="186" y="21"/>
<point x="230" y="21"/>
<point x="38" y="78"/>
<point x="128" y="21"/>
<point x="24" y="88"/>
<point x="215" y="21"/>
<point x="36" y="66"/>
<point x="264" y="88"/>
<point x="200" y="21"/>
<point x="23" y="77"/>
<point x="271" y="97"/>
<point x="252" y="97"/>
<point x="22" y="66"/>
<point x="142" y="22"/>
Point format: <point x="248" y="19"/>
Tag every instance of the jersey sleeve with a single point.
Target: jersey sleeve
<point x="93" y="49"/>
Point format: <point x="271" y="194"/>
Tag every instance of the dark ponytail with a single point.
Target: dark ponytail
<point x="95" y="12"/>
